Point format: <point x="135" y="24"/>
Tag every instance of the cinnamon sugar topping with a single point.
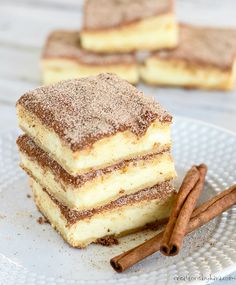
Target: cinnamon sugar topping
<point x="204" y="45"/>
<point x="42" y="220"/>
<point x="113" y="13"/>
<point x="82" y="111"/>
<point x="66" y="45"/>
<point x="107" y="241"/>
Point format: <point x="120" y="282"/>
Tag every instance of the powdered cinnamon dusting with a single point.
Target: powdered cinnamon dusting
<point x="204" y="46"/>
<point x="82" y="111"/>
<point x="42" y="220"/>
<point x="113" y="13"/>
<point x="66" y="45"/>
<point x="107" y="241"/>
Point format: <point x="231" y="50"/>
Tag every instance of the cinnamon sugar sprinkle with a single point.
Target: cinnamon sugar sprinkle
<point x="42" y="220"/>
<point x="107" y="241"/>
<point x="82" y="111"/>
<point x="66" y="45"/>
<point x="204" y="46"/>
<point x="161" y="191"/>
<point x="29" y="147"/>
<point x="113" y="13"/>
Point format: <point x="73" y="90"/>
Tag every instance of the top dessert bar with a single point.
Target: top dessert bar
<point x="114" y="13"/>
<point x="93" y="122"/>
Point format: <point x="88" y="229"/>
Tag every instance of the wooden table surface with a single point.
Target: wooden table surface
<point x="24" y="25"/>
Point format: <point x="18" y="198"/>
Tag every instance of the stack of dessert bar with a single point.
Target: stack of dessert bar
<point x="111" y="31"/>
<point x="98" y="155"/>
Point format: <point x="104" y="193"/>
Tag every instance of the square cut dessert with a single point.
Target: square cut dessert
<point x="205" y="58"/>
<point x="97" y="187"/>
<point x="128" y="25"/>
<point x="63" y="58"/>
<point x="120" y="217"/>
<point x="91" y="123"/>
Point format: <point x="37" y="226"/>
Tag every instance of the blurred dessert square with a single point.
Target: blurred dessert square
<point x="63" y="58"/>
<point x="128" y="25"/>
<point x="91" y="123"/>
<point x="205" y="58"/>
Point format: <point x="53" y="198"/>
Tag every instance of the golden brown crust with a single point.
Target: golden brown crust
<point x="116" y="13"/>
<point x="27" y="146"/>
<point x="203" y="46"/>
<point x="63" y="44"/>
<point x="83" y="111"/>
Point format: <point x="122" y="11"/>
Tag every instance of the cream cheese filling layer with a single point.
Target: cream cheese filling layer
<point x="181" y="73"/>
<point x="148" y="34"/>
<point x="106" y="151"/>
<point x="104" y="188"/>
<point x="55" y="70"/>
<point x="115" y="222"/>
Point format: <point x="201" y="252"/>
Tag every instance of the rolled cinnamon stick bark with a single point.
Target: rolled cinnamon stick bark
<point x="127" y="259"/>
<point x="173" y="240"/>
<point x="189" y="181"/>
<point x="201" y="215"/>
<point x="212" y="208"/>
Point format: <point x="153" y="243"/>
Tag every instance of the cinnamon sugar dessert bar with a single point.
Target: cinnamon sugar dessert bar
<point x="128" y="25"/>
<point x="205" y="58"/>
<point x="98" y="155"/>
<point x="90" y="123"/>
<point x="63" y="58"/>
<point x="97" y="187"/>
<point x="125" y="215"/>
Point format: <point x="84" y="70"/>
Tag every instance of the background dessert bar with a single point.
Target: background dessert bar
<point x="205" y="58"/>
<point x="124" y="26"/>
<point x="63" y="58"/>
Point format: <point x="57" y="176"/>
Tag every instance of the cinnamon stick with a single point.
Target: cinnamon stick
<point x="187" y="197"/>
<point x="190" y="180"/>
<point x="200" y="216"/>
<point x="212" y="208"/>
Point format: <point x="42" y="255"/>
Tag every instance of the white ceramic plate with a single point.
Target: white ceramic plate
<point x="35" y="254"/>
